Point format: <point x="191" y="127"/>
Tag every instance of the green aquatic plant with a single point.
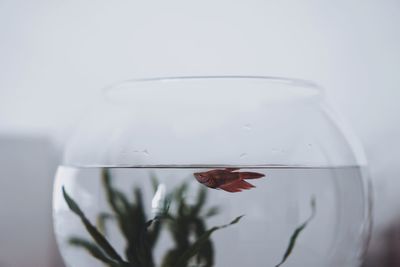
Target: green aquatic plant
<point x="296" y="233"/>
<point x="185" y="221"/>
<point x="141" y="234"/>
<point x="101" y="249"/>
<point x="188" y="220"/>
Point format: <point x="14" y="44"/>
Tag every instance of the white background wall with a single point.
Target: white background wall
<point x="56" y="55"/>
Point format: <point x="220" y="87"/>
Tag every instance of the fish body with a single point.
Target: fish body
<point x="229" y="179"/>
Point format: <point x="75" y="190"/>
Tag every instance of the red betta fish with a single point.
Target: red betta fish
<point x="228" y="179"/>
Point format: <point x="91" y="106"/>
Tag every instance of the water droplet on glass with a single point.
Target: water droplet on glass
<point x="146" y="152"/>
<point x="243" y="155"/>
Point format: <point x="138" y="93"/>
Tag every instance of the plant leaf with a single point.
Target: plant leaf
<point x="297" y="232"/>
<point x="125" y="215"/>
<point x="101" y="221"/>
<point x="201" y="199"/>
<point x="211" y="212"/>
<point x="116" y="199"/>
<point x="94" y="250"/>
<point x="180" y="191"/>
<point x="205" y="256"/>
<point x="154" y="181"/>
<point x="196" y="246"/>
<point x="170" y="258"/>
<point x="94" y="233"/>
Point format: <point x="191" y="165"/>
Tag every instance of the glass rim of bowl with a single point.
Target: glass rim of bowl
<point x="292" y="83"/>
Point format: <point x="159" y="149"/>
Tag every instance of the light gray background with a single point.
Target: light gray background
<point x="56" y="55"/>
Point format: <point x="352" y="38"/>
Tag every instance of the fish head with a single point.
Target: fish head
<point x="202" y="177"/>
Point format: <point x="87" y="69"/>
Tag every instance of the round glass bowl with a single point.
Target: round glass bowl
<point x="212" y="171"/>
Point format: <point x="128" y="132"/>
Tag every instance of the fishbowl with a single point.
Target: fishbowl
<point x="212" y="171"/>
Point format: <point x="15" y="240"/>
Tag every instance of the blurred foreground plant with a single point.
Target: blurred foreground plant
<point x="185" y="222"/>
<point x="141" y="234"/>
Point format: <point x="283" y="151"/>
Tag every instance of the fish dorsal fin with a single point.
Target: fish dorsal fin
<point x="232" y="169"/>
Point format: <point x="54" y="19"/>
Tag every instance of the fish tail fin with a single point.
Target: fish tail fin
<point x="250" y="175"/>
<point x="237" y="186"/>
<point x="230" y="188"/>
